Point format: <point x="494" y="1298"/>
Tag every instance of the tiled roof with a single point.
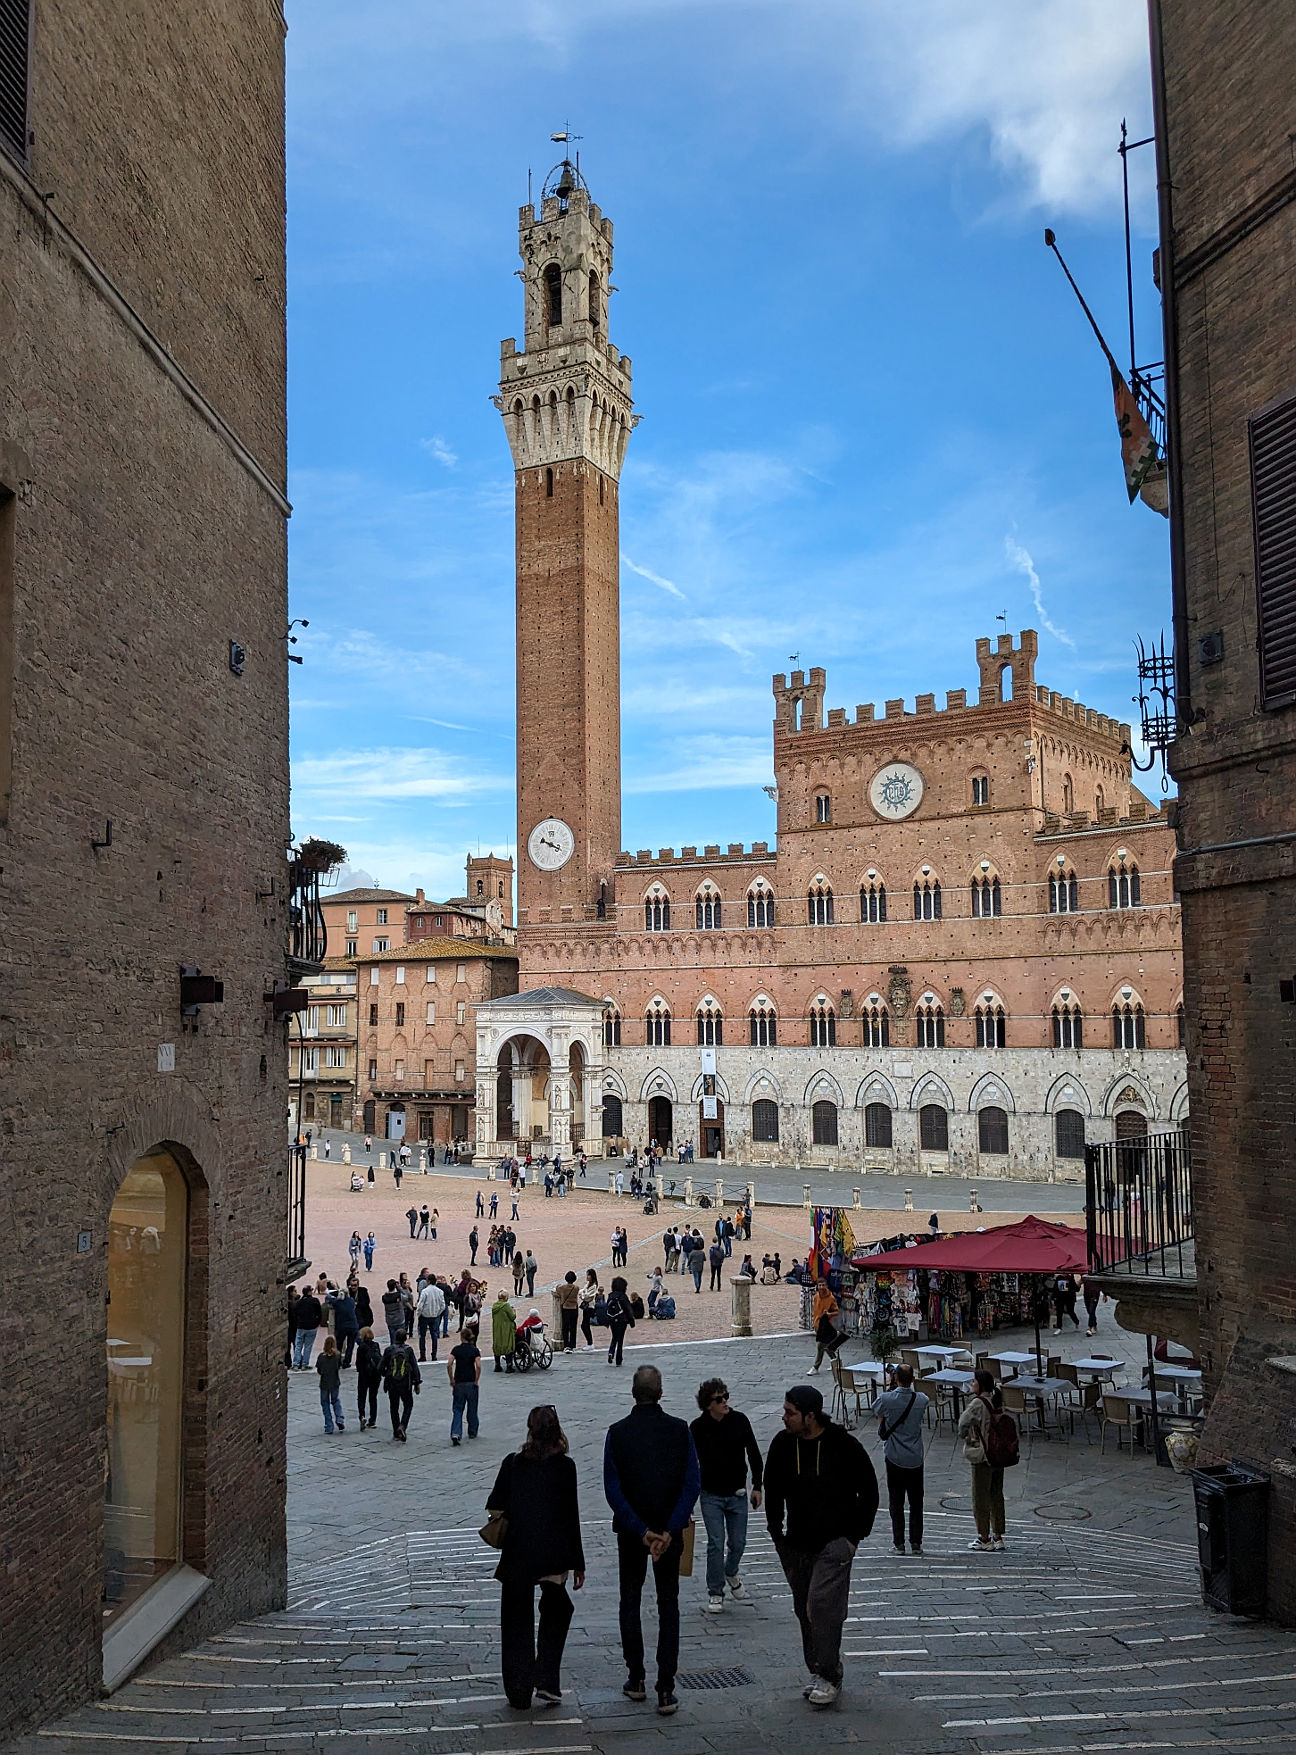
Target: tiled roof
<point x="366" y="896"/>
<point x="436" y="950"/>
<point x="547" y="996"/>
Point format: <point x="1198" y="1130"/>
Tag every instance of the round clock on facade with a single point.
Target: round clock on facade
<point x="550" y="844"/>
<point x="896" y="791"/>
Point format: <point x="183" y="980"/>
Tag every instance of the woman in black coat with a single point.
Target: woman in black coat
<point x="535" y="1491"/>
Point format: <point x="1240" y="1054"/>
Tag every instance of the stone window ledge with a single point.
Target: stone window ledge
<point x="146" y="1623"/>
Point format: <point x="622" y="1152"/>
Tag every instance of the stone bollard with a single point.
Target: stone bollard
<point x="346" y="1154"/>
<point x="688" y="1191"/>
<point x="314" y="1151"/>
<point x="742" y="1324"/>
<point x="555" y="1322"/>
<point x="751" y="1197"/>
<point x="974" y="1205"/>
<point x="909" y="1207"/>
<point x="806" y="1202"/>
<point x="719" y="1192"/>
<point x="855" y="1199"/>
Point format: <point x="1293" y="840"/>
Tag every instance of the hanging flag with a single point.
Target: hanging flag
<point x="1145" y="472"/>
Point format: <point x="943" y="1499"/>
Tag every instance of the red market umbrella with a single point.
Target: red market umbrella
<point x="1030" y="1246"/>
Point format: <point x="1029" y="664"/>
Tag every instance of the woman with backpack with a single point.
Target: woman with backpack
<point x="989" y="1444"/>
<point x="620" y="1317"/>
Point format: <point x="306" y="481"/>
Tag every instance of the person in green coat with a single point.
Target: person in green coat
<point x="503" y="1331"/>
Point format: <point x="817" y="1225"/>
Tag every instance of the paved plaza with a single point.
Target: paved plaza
<point x="1087" y="1634"/>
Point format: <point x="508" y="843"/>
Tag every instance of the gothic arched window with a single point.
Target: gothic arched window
<point x="987" y="899"/>
<point x="765" y="1128"/>
<point x="1068" y="1025"/>
<point x="980" y="789"/>
<point x="872" y="901"/>
<point x="1064" y="892"/>
<point x="990" y="1025"/>
<point x="933" y="1128"/>
<point x="657" y="911"/>
<point x="877" y="1027"/>
<point x="823" y="807"/>
<point x="930" y="1019"/>
<point x="823" y="1122"/>
<point x="823" y="1024"/>
<point x="710" y="1025"/>
<point x="553" y="295"/>
<point x="657" y="1025"/>
<point x="992" y="1131"/>
<point x="1129" y="1026"/>
<point x="877" y="1125"/>
<point x="708" y="910"/>
<point x="760" y="906"/>
<point x="611" y="1027"/>
<point x="1069" y="1134"/>
<point x="820" y="903"/>
<point x="927" y="899"/>
<point x="762" y="1025"/>
<point x="1123" y="887"/>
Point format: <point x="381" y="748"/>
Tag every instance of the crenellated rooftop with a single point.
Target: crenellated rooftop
<point x="712" y="855"/>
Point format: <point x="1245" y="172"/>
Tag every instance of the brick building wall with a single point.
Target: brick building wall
<point x="142" y="463"/>
<point x="356" y="918"/>
<point x="1223" y="72"/>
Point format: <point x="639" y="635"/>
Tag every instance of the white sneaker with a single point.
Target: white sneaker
<point x="983" y="1545"/>
<point x="823" y="1693"/>
<point x="715" y="1605"/>
<point x="810" y="1686"/>
<point x="997" y="1542"/>
<point x="738" y="1589"/>
<point x="815" y="1368"/>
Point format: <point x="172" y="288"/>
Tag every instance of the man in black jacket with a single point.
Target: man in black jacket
<point x="725" y="1444"/>
<point x="651" y="1479"/>
<point x="823" y="1480"/>
<point x="308" y="1314"/>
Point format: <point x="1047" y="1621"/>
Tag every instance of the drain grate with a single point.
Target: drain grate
<point x="715" y="1679"/>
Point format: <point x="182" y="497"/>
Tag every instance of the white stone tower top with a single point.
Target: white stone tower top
<point x="567" y="395"/>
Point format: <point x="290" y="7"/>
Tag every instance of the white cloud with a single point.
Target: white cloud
<point x="362" y="775"/>
<point x="1021" y="559"/>
<point x="653" y="578"/>
<point x="437" y="447"/>
<point x="707" y="762"/>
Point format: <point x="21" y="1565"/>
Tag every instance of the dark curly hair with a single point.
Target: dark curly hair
<point x="708" y="1391"/>
<point x="545" y="1437"/>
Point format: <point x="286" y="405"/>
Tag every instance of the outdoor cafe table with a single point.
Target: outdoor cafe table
<point x="946" y="1355"/>
<point x="958" y="1381"/>
<point x="1013" y="1359"/>
<point x="1099" y="1367"/>
<point x="1040" y="1389"/>
<point x="1178" y="1374"/>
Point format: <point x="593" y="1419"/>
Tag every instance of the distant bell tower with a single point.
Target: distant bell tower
<point x="566" y="406"/>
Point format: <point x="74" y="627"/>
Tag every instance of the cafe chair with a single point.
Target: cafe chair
<point x="1117" y="1411"/>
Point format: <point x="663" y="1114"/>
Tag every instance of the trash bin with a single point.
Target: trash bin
<point x="1233" y="1536"/>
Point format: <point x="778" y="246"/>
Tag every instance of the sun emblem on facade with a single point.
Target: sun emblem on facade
<point x="896" y="791"/>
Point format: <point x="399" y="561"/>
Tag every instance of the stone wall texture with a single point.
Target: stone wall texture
<point x="142" y="442"/>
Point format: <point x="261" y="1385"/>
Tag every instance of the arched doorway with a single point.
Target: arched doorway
<point x="711" y="1128"/>
<point x="613" y="1117"/>
<point x="1131" y="1124"/>
<point x="522" y="1090"/>
<point x="148" y="1271"/>
<point x="576" y="1072"/>
<point x="661" y="1121"/>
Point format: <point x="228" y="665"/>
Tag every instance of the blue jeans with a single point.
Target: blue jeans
<point x="724" y="1514"/>
<point x="303" y="1345"/>
<point x="331" y="1402"/>
<point x="697" y="1261"/>
<point x="465" y="1396"/>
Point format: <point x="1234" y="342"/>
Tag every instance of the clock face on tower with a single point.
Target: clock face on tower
<point x="896" y="791"/>
<point x="550" y="844"/>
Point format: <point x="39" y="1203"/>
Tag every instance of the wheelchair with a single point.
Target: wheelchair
<point x="532" y="1348"/>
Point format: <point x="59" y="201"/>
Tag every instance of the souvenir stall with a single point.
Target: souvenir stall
<point x="832" y="1249"/>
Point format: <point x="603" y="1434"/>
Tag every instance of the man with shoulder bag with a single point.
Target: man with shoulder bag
<point x="901" y="1413"/>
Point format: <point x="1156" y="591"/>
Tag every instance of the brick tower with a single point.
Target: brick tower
<point x="566" y="405"/>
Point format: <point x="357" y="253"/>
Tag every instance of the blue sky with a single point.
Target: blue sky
<point x="873" y="416"/>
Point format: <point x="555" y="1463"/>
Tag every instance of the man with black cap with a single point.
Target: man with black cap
<point x="822" y="1479"/>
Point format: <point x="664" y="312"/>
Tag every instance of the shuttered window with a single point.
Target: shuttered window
<point x="15" y="26"/>
<point x="1273" y="501"/>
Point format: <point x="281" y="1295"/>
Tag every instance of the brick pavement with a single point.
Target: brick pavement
<point x="1086" y="1635"/>
<point x="574" y="1233"/>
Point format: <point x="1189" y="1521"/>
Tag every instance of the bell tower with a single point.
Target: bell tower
<point x="565" y="400"/>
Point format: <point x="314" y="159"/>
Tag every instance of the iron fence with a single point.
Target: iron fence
<point x="1138" y="1205"/>
<point x="296" y="1208"/>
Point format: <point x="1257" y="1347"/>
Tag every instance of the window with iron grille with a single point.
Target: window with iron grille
<point x="933" y="1128"/>
<point x="992" y="1131"/>
<point x="1273" y="509"/>
<point x="15" y="38"/>
<point x="1069" y="1133"/>
<point x="877" y="1125"/>
<point x="823" y="1122"/>
<point x="765" y="1126"/>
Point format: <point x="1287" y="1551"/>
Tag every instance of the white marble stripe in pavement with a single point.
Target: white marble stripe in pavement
<point x="1059" y="1718"/>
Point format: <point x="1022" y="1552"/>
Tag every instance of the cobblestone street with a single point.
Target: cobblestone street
<point x="1086" y="1635"/>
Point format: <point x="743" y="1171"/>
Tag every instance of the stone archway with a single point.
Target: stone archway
<point x="522" y="1071"/>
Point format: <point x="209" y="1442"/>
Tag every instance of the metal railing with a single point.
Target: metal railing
<point x="1139" y="1206"/>
<point x="307" y="933"/>
<point x="296" y="1208"/>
